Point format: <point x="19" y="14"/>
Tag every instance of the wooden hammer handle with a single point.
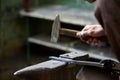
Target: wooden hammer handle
<point x="68" y="32"/>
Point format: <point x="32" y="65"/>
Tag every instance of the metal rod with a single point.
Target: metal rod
<point x="85" y="63"/>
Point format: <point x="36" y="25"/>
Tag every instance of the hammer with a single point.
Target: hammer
<point x="57" y="30"/>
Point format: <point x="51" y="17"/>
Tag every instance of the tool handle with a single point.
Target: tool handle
<point x="68" y="32"/>
<point x="71" y="32"/>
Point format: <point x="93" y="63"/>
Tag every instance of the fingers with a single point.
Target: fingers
<point x="93" y="41"/>
<point x="90" y="33"/>
<point x="88" y="30"/>
<point x="80" y="35"/>
<point x="93" y="30"/>
<point x="90" y="40"/>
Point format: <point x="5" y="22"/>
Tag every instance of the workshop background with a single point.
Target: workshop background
<point x="15" y="51"/>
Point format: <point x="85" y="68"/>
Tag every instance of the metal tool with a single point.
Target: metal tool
<point x="70" y="61"/>
<point x="57" y="30"/>
<point x="110" y="65"/>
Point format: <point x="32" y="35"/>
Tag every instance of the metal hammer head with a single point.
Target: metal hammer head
<point x="55" y="29"/>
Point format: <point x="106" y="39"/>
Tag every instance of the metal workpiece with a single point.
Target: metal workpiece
<point x="110" y="65"/>
<point x="78" y="62"/>
<point x="75" y="55"/>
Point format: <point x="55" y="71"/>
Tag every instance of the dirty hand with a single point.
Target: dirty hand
<point x="92" y="31"/>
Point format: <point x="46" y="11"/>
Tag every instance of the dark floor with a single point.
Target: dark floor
<point x="8" y="65"/>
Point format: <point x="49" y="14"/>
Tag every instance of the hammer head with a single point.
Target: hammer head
<point x="55" y="29"/>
